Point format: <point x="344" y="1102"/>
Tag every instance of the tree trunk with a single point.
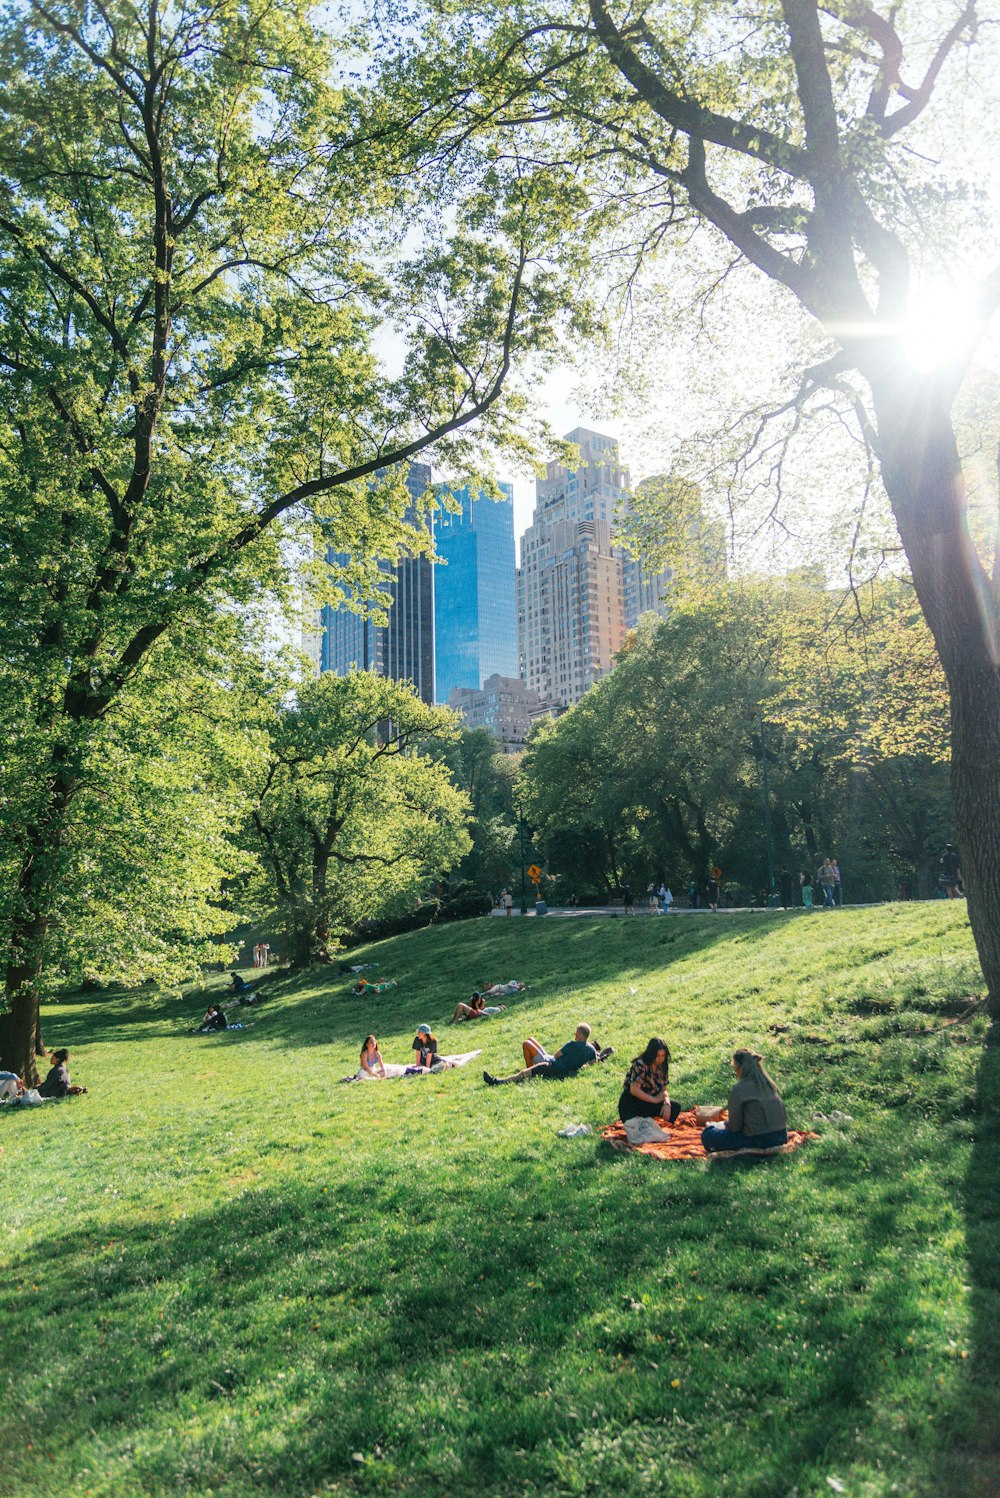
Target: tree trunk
<point x="922" y="473"/>
<point x="21" y="1034"/>
<point x="975" y="791"/>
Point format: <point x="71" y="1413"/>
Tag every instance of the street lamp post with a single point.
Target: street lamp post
<point x="524" y="898"/>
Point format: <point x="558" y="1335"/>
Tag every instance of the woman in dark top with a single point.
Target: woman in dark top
<point x="425" y="1049"/>
<point x="215" y="1019"/>
<point x="644" y="1094"/>
<point x="756" y="1115"/>
<point x="57" y="1083"/>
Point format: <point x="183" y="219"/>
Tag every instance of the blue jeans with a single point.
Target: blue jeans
<point x="715" y="1136"/>
<point x="829" y="902"/>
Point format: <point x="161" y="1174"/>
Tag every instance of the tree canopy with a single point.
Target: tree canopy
<point x="825" y="146"/>
<point x="205" y="238"/>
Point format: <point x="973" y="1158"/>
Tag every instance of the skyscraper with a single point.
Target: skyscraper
<point x="570" y="597"/>
<point x="475" y="615"/>
<point x="403" y="648"/>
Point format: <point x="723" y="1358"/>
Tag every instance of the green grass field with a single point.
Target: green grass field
<point x="221" y="1273"/>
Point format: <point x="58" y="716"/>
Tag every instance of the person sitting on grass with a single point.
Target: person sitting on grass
<point x="476" y="1008"/>
<point x="372" y="1064"/>
<point x="11" y="1086"/>
<point x="425" y="1049"/>
<point x="538" y="1062"/>
<point x="756" y="1115"/>
<point x="644" y="1093"/>
<point x="215" y="1019"/>
<point x="57" y="1083"/>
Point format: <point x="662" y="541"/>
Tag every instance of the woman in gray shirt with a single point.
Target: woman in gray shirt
<point x="756" y="1113"/>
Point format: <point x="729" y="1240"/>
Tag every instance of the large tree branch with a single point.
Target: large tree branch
<point x="685" y="114"/>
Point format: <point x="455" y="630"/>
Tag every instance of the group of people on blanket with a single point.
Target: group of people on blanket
<point x="755" y="1114"/>
<point x="425" y="1056"/>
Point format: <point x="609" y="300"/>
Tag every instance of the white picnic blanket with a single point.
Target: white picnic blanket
<point x="393" y="1069"/>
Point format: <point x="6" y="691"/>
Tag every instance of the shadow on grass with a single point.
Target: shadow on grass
<point x="564" y="1330"/>
<point x="970" y="1467"/>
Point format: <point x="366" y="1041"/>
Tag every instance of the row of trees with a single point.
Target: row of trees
<point x="207" y="223"/>
<point x="758" y="691"/>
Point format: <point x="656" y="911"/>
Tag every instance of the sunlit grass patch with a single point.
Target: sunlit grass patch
<point x="223" y="1273"/>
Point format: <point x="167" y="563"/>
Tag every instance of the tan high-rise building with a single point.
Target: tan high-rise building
<point x="570" y="597"/>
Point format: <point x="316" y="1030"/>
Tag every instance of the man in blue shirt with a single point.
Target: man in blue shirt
<point x="567" y="1060"/>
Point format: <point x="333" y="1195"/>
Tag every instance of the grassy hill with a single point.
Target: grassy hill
<point x="222" y="1273"/>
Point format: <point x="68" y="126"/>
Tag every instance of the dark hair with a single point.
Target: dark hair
<point x="58" y="1057"/>
<point x="653" y="1046"/>
<point x="477" y="1001"/>
<point x="364" y="1043"/>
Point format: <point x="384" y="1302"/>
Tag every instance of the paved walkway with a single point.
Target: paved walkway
<point x="645" y="910"/>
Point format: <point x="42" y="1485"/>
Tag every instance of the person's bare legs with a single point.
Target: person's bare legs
<point x="531" y="1051"/>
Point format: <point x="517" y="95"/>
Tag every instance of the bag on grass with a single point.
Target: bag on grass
<point x="645" y="1131"/>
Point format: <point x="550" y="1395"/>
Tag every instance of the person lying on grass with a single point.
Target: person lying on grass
<point x="578" y="1052"/>
<point x="476" y="1008"/>
<point x="756" y="1115"/>
<point x="372" y="1064"/>
<point x="644" y="1092"/>
<point x="57" y="1083"/>
<point x="364" y="985"/>
<point x="502" y="990"/>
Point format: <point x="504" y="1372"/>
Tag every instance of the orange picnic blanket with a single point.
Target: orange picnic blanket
<point x="685" y="1142"/>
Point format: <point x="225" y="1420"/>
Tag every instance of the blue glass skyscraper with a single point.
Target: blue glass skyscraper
<point x="403" y="648"/>
<point x="475" y="609"/>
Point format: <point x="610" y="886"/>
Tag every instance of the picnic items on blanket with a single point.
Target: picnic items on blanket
<point x="705" y="1115"/>
<point x="394" y="1069"/>
<point x="685" y="1143"/>
<point x="574" y="1131"/>
<point x="645" y="1130"/>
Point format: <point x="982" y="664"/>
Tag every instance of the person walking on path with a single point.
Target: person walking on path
<point x="807" y="891"/>
<point x="567" y="1060"/>
<point x="827" y="880"/>
<point x="628" y="899"/>
<point x="712" y="892"/>
<point x="693" y="895"/>
<point x="508" y="902"/>
<point x="838" y="893"/>
<point x="951" y="871"/>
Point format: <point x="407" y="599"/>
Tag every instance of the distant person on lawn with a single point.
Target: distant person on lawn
<point x="11" y="1086"/>
<point x="756" y="1115"/>
<point x="215" y="1019"/>
<point x="538" y="1062"/>
<point x="425" y="1049"/>
<point x="476" y="1008"/>
<point x="644" y="1092"/>
<point x="951" y="872"/>
<point x="372" y="1064"/>
<point x="58" y="1083"/>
